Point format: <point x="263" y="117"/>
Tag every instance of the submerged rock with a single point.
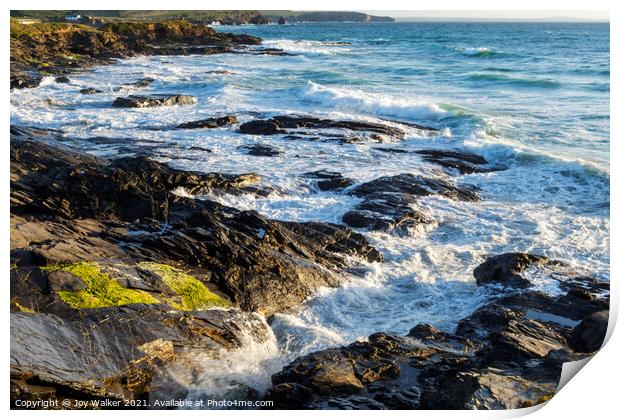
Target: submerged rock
<point x="144" y="82"/>
<point x="508" y="354"/>
<point x="136" y="101"/>
<point x="388" y="201"/>
<point x="261" y="150"/>
<point x="464" y="163"/>
<point x="90" y="91"/>
<point x="62" y="79"/>
<point x="210" y="122"/>
<point x="506" y="269"/>
<point x="330" y="181"/>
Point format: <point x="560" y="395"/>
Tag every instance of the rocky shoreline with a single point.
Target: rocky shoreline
<point x="122" y="281"/>
<point x="59" y="49"/>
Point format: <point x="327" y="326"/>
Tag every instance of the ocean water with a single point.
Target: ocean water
<point x="531" y="97"/>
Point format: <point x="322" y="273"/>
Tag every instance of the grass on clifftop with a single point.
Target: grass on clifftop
<point x="19" y="30"/>
<point x="101" y="290"/>
<point x="193" y="295"/>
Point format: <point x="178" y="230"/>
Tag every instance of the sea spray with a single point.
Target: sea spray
<point x="242" y="373"/>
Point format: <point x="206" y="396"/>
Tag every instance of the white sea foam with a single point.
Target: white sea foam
<point x="476" y="51"/>
<point x="231" y="374"/>
<point x="305" y="47"/>
<point x="373" y="103"/>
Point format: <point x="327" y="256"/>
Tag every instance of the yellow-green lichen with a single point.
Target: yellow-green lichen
<point x="193" y="295"/>
<point x="22" y="308"/>
<point x="100" y="291"/>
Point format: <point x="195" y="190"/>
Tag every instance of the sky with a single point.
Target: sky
<point x="495" y="14"/>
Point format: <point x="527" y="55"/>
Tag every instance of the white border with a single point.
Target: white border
<point x="592" y="395"/>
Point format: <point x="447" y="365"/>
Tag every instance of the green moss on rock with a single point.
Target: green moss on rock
<point x="192" y="293"/>
<point x="101" y="290"/>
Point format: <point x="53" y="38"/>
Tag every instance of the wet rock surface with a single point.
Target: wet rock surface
<point x="319" y="128"/>
<point x="210" y="122"/>
<point x="464" y="163"/>
<point x="507" y="354"/>
<point x="115" y="353"/>
<point x="330" y="181"/>
<point x="388" y="202"/>
<point x="90" y="91"/>
<point x="261" y="150"/>
<point x="138" y="101"/>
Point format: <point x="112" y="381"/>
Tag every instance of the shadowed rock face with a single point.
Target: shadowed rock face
<point x="387" y="201"/>
<point x="136" y="101"/>
<point x="507" y="354"/>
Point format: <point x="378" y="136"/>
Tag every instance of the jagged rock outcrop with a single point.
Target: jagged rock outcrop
<point x="330" y="181"/>
<point x="210" y="122"/>
<point x="135" y="209"/>
<point x="61" y="48"/>
<point x="117" y="353"/>
<point x="388" y="201"/>
<point x="138" y="101"/>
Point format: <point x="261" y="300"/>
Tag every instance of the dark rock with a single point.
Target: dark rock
<point x="388" y="201"/>
<point x="70" y="207"/>
<point x="390" y="150"/>
<point x="281" y="21"/>
<point x="386" y="212"/>
<point x="261" y="150"/>
<point x="259" y="19"/>
<point x="260" y="127"/>
<point x="464" y="163"/>
<point x="588" y="336"/>
<point x="117" y="352"/>
<point x="210" y="122"/>
<point x="22" y="80"/>
<point x="90" y="91"/>
<point x="135" y="101"/>
<point x="289" y="396"/>
<point x="416" y="185"/>
<point x="506" y="269"/>
<point x="336" y="239"/>
<point x="280" y="124"/>
<point x="62" y="79"/>
<point x="63" y="280"/>
<point x="330" y="181"/>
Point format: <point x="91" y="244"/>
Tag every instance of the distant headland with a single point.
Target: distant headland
<point x="223" y="17"/>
